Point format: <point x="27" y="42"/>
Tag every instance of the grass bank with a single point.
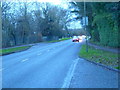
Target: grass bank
<point x="62" y="39"/>
<point x="12" y="50"/>
<point x="100" y="56"/>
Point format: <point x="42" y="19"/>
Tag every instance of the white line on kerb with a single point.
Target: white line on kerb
<point x="24" y="60"/>
<point x="1" y="69"/>
<point x="70" y="73"/>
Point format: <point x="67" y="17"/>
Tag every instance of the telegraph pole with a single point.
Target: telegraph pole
<point x="0" y="24"/>
<point x="85" y="26"/>
<point x="0" y="43"/>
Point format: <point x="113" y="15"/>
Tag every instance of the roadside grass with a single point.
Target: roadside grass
<point x="62" y="39"/>
<point x="16" y="49"/>
<point x="100" y="56"/>
<point x="12" y="50"/>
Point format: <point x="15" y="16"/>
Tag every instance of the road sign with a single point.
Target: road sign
<point x="84" y="22"/>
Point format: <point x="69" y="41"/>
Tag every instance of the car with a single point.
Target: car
<point x="80" y="38"/>
<point x="75" y="39"/>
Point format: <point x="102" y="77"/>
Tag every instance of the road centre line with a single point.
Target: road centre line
<point x="70" y="73"/>
<point x="24" y="60"/>
<point x="39" y="53"/>
<point x="48" y="50"/>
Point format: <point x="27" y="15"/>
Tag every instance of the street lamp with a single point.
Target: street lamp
<point x="85" y="26"/>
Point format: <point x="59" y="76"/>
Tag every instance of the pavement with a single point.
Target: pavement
<point x="113" y="50"/>
<point x="41" y="43"/>
<point x="53" y="65"/>
<point x="90" y="75"/>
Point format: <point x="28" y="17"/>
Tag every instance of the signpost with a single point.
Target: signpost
<point x="86" y="23"/>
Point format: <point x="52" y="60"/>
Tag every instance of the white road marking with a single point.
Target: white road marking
<point x="70" y="73"/>
<point x="48" y="50"/>
<point x="24" y="60"/>
<point x="39" y="54"/>
<point x="1" y="69"/>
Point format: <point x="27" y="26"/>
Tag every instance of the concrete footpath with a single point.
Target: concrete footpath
<point x="113" y="50"/>
<point x="89" y="75"/>
<point x="24" y="45"/>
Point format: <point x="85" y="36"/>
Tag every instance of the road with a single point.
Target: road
<point x="49" y="65"/>
<point x="40" y="66"/>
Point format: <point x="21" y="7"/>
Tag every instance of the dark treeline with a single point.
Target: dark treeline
<point x="103" y="22"/>
<point x="32" y="22"/>
<point x="24" y="23"/>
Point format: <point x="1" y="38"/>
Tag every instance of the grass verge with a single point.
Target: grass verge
<point x="62" y="39"/>
<point x="12" y="50"/>
<point x="100" y="56"/>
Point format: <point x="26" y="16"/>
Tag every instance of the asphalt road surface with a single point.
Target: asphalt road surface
<point x="49" y="65"/>
<point x="42" y="66"/>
